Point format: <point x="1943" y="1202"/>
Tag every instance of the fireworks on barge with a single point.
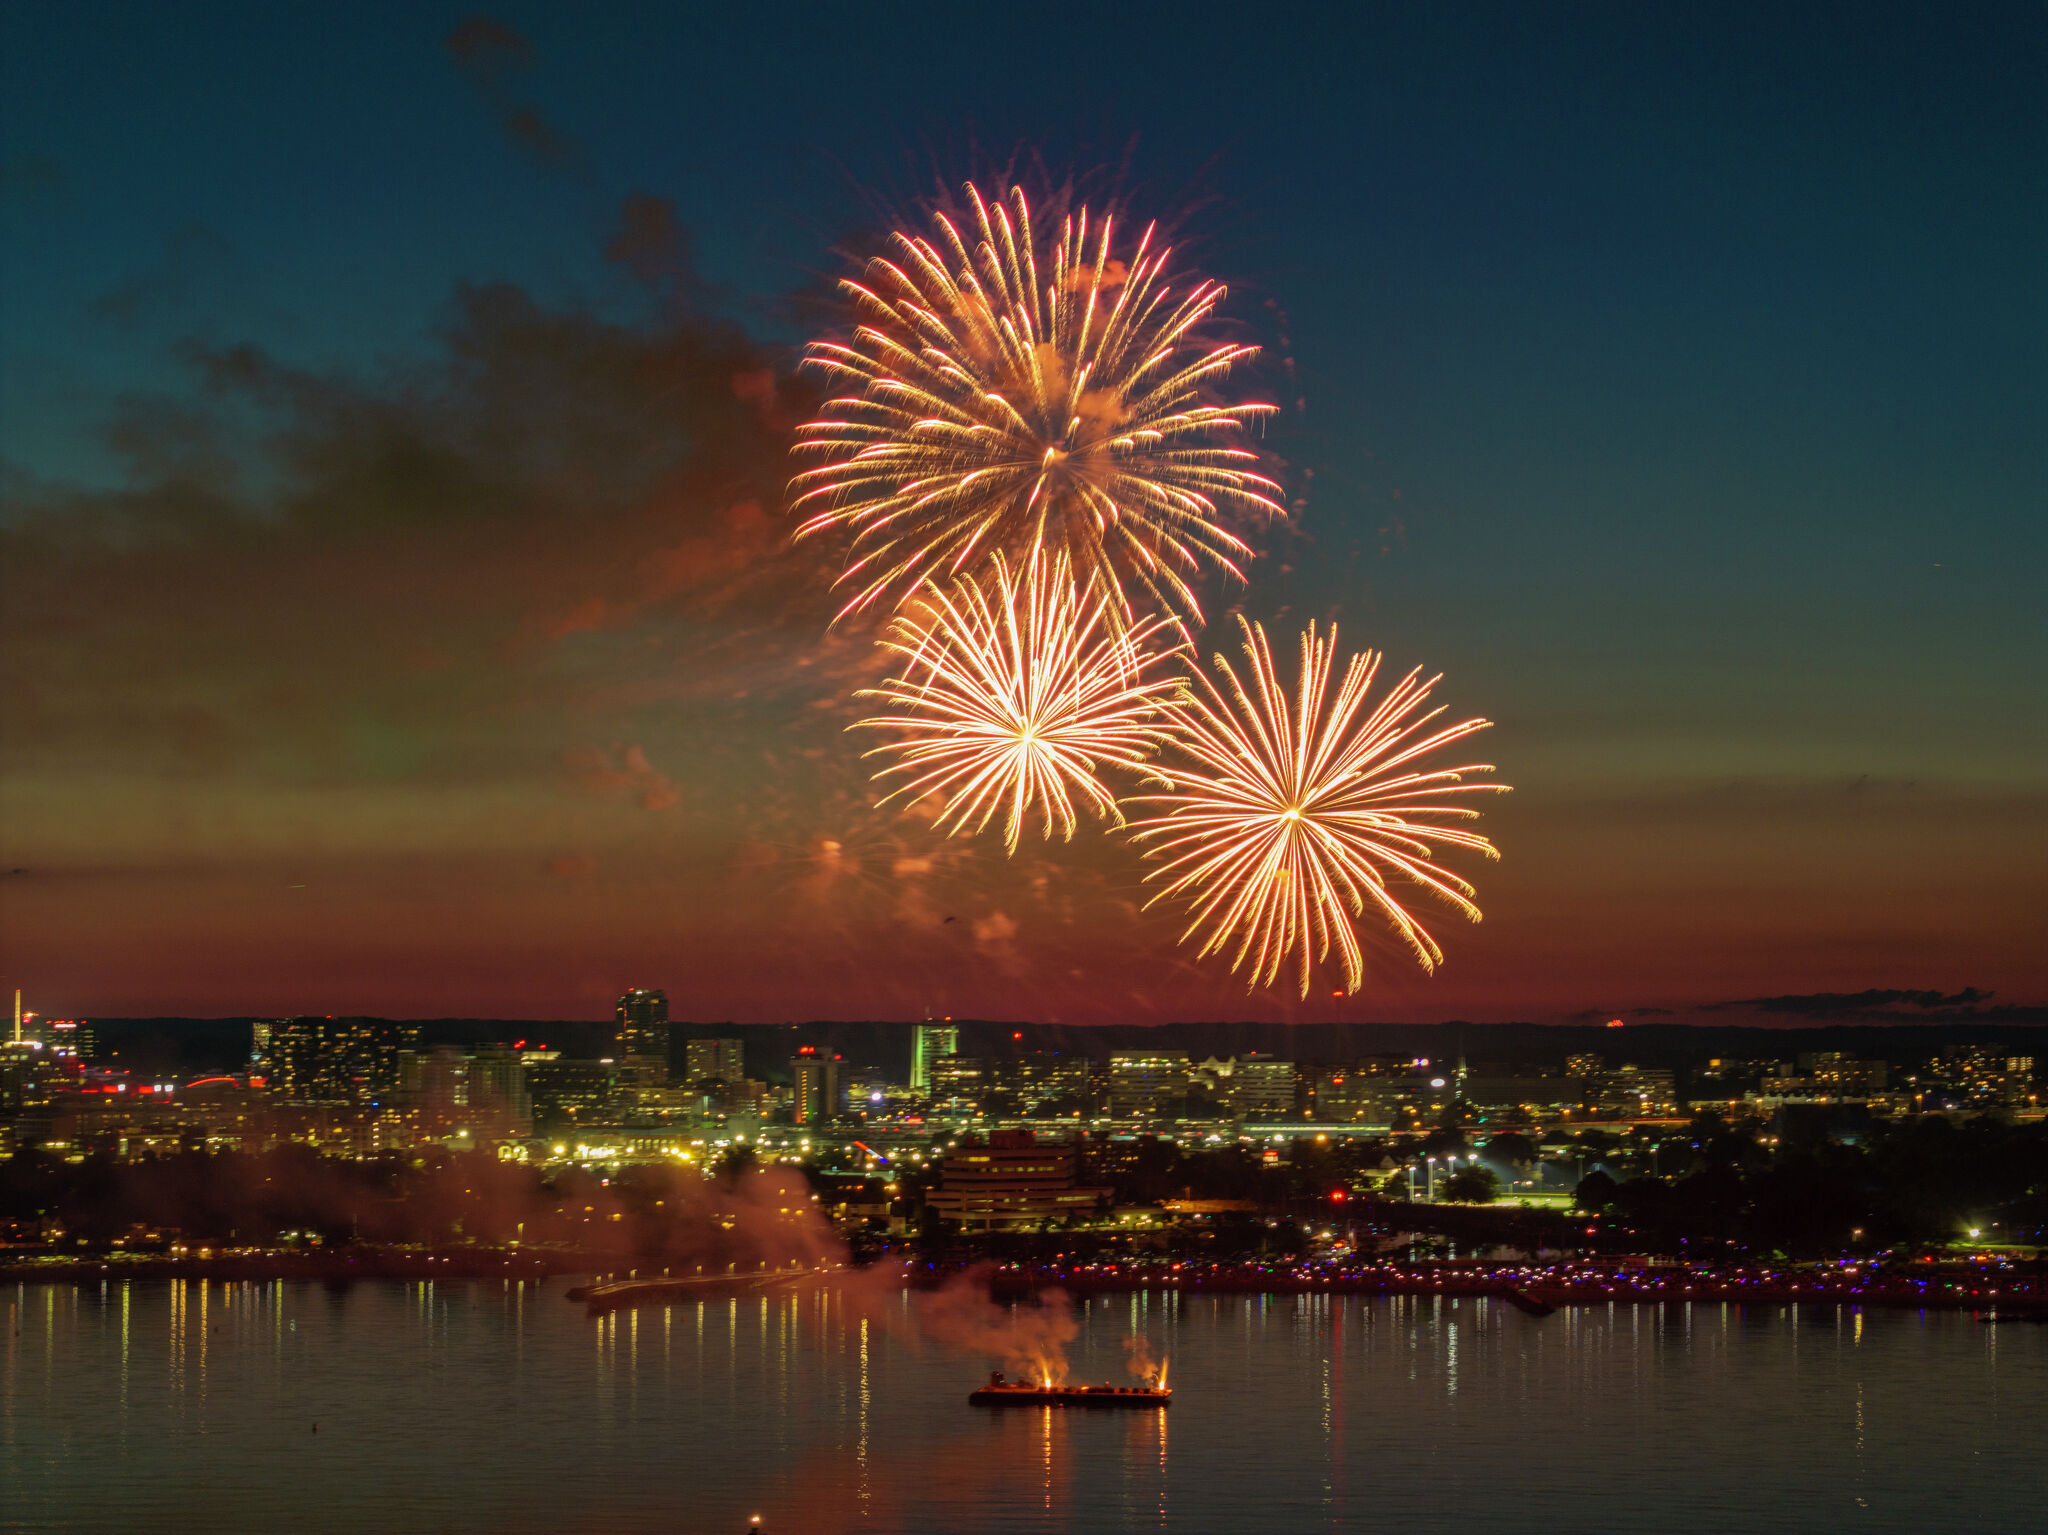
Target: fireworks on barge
<point x="1027" y="1393"/>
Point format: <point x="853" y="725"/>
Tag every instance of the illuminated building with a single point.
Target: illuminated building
<point x="929" y="1041"/>
<point x="567" y="1091"/>
<point x="1141" y="1080"/>
<point x="958" y="1078"/>
<point x="1047" y="1074"/>
<point x="1013" y="1180"/>
<point x="643" y="1037"/>
<point x="498" y="1093"/>
<point x="815" y="1092"/>
<point x="1982" y="1076"/>
<point x="1250" y="1084"/>
<point x="71" y="1038"/>
<point x="715" y="1060"/>
<point x="28" y="1076"/>
<point x="336" y="1060"/>
<point x="1625" y="1091"/>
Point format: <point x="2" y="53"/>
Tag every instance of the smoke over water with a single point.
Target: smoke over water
<point x="1143" y="1363"/>
<point x="1030" y="1339"/>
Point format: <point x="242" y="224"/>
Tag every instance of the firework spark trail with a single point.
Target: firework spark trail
<point x="999" y="409"/>
<point x="1017" y="692"/>
<point x="1295" y="813"/>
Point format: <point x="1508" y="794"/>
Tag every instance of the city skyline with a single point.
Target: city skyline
<point x="400" y="611"/>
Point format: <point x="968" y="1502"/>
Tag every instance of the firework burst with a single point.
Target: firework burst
<point x="1010" y="398"/>
<point x="1015" y="693"/>
<point x="1290" y="817"/>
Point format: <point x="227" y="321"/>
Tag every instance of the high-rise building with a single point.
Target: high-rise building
<point x="929" y="1041"/>
<point x="815" y="1086"/>
<point x="336" y="1060"/>
<point x="643" y="1037"/>
<point x="498" y="1094"/>
<point x="715" y="1060"/>
<point x="1141" y="1080"/>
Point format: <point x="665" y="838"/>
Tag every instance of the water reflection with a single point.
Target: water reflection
<point x="486" y="1407"/>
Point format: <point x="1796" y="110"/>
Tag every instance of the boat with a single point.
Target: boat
<point x="1529" y="1304"/>
<point x="1027" y="1393"/>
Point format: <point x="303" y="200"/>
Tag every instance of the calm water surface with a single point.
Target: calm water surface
<point x="483" y="1407"/>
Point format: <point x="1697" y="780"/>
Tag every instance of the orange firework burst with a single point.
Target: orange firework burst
<point x="1001" y="408"/>
<point x="1293" y="814"/>
<point x="1017" y="693"/>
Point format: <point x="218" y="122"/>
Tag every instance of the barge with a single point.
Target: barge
<point x="1026" y="1393"/>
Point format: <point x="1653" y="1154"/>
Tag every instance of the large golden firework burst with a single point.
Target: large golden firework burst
<point x="1015" y="693"/>
<point x="1010" y="398"/>
<point x="1288" y="819"/>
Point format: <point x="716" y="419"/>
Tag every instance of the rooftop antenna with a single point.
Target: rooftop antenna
<point x="17" y="1015"/>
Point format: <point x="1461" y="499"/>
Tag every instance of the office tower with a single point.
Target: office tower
<point x="815" y="1077"/>
<point x="929" y="1041"/>
<point x="715" y="1060"/>
<point x="643" y="1037"/>
<point x="336" y="1060"/>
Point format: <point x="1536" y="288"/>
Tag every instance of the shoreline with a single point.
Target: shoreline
<point x="1536" y="1289"/>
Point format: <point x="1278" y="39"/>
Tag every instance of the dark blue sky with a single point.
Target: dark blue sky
<point x="1673" y="381"/>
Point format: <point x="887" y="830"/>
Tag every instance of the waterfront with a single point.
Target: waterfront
<point x="484" y="1406"/>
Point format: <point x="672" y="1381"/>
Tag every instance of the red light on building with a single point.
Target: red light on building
<point x="1338" y="1196"/>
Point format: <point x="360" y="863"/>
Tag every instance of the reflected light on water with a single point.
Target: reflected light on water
<point x="494" y="1407"/>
